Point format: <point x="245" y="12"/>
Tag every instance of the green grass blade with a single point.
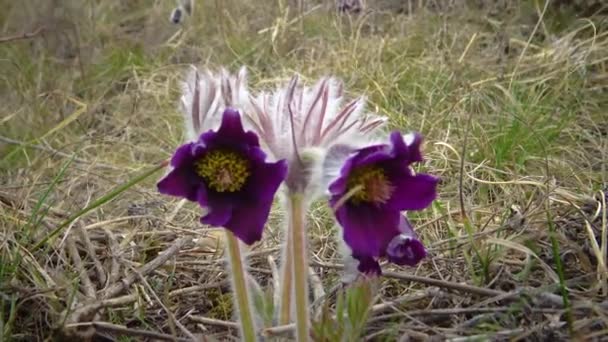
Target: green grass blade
<point x="99" y="202"/>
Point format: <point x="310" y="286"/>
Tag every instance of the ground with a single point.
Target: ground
<point x="512" y="98"/>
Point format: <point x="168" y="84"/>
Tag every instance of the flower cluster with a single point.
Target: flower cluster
<point x="316" y="143"/>
<point x="241" y="148"/>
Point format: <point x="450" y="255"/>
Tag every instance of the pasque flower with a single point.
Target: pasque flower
<point x="223" y="168"/>
<point x="226" y="172"/>
<point x="374" y="185"/>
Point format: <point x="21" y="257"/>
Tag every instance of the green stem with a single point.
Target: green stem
<point x="300" y="265"/>
<point x="240" y="288"/>
<point x="287" y="283"/>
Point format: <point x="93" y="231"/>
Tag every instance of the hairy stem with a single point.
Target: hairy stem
<point x="300" y="264"/>
<point x="240" y="288"/>
<point x="287" y="284"/>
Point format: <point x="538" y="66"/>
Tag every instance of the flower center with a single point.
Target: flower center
<point x="373" y="185"/>
<point x="223" y="170"/>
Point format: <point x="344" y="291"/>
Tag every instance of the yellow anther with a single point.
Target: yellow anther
<point x="223" y="170"/>
<point x="373" y="184"/>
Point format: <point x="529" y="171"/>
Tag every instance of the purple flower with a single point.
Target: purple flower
<point x="375" y="184"/>
<point x="226" y="173"/>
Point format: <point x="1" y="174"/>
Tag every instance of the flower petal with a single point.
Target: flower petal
<point x="414" y="141"/>
<point x="407" y="150"/>
<point x="231" y="131"/>
<point x="367" y="230"/>
<point x="412" y="192"/>
<point x="405" y="250"/>
<point x="183" y="156"/>
<point x="362" y="157"/>
<point x="250" y="215"/>
<point x="180" y="182"/>
<point x="368" y="265"/>
<point x="405" y="227"/>
<point x="220" y="211"/>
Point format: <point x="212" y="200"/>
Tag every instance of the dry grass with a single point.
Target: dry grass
<point x="512" y="100"/>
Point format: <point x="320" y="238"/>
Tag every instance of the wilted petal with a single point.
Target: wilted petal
<point x="405" y="248"/>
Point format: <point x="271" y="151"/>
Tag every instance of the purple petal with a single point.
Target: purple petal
<point x="405" y="227"/>
<point x="182" y="156"/>
<point x="411" y="153"/>
<point x="245" y="211"/>
<point x="368" y="229"/>
<point x="372" y="155"/>
<point x="231" y="131"/>
<point x="405" y="250"/>
<point x="368" y="265"/>
<point x="339" y="185"/>
<point x="220" y="211"/>
<point x="412" y="192"/>
<point x="180" y="182"/>
<point x="362" y="157"/>
<point x="250" y="216"/>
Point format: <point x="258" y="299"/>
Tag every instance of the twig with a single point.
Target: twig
<point x="288" y="328"/>
<point x="147" y="268"/>
<point x="86" y="312"/>
<point x="122" y="330"/>
<point x="114" y="250"/>
<point x="25" y="35"/>
<point x="454" y="311"/>
<point x="429" y="281"/>
<point x="197" y="288"/>
<point x="444" y="284"/>
<point x="90" y="309"/>
<point x="87" y="285"/>
<point x="431" y="292"/>
<point x="160" y="302"/>
<point x="213" y="321"/>
<point x="101" y="274"/>
<point x="14" y="202"/>
<point x="317" y="287"/>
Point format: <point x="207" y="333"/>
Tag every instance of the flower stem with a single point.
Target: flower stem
<point x="300" y="265"/>
<point x="240" y="288"/>
<point x="287" y="284"/>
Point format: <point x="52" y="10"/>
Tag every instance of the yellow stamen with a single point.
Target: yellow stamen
<point x="374" y="187"/>
<point x="223" y="170"/>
